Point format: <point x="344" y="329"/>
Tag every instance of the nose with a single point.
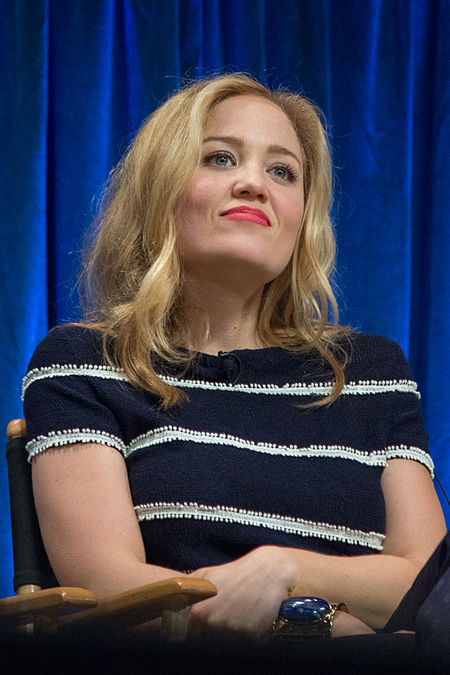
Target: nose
<point x="250" y="183"/>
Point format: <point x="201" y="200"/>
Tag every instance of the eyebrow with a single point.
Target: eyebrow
<point x="272" y="149"/>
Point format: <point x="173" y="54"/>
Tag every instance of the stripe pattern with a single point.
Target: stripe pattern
<point x="57" y="370"/>
<point x="302" y="389"/>
<point x="228" y="514"/>
<point x="227" y="453"/>
<point x="169" y="433"/>
<point x="60" y="438"/>
<point x="362" y="387"/>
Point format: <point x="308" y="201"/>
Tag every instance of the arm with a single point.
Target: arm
<point x="370" y="585"/>
<point x="87" y="520"/>
<point x="83" y="499"/>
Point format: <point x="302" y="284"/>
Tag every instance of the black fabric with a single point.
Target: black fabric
<point x="433" y="622"/>
<point x="31" y="564"/>
<point x="239" y="465"/>
<point x="404" y="617"/>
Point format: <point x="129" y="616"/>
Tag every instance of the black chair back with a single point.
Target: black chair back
<point x="31" y="565"/>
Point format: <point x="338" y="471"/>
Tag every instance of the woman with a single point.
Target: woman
<point x="212" y="418"/>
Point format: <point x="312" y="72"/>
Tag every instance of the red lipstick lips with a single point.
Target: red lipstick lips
<point x="247" y="213"/>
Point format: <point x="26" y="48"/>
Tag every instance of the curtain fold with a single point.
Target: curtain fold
<point x="79" y="78"/>
<point x="23" y="204"/>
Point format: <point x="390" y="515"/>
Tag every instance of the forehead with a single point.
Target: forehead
<point x="252" y="118"/>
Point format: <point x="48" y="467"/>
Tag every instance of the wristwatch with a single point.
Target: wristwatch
<point x="304" y="617"/>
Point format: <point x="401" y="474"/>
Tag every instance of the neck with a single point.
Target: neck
<point x="232" y="317"/>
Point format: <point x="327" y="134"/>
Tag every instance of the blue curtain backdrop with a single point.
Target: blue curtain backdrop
<point x="79" y="77"/>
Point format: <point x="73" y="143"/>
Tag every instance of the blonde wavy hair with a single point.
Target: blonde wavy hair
<point x="132" y="276"/>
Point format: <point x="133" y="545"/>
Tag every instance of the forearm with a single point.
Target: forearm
<point x="251" y="588"/>
<point x="117" y="579"/>
<point x="373" y="585"/>
<point x="370" y="585"/>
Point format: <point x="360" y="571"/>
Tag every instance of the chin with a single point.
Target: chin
<point x="248" y="263"/>
<point x="246" y="266"/>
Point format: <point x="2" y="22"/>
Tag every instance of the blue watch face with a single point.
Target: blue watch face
<point x="304" y="609"/>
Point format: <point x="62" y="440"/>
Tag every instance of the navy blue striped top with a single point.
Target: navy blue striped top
<point x="239" y="464"/>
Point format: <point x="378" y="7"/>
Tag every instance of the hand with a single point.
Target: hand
<point x="250" y="591"/>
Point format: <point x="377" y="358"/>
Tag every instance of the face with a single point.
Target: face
<point x="244" y="206"/>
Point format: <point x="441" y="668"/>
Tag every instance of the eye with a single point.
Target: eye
<point x="220" y="159"/>
<point x="284" y="172"/>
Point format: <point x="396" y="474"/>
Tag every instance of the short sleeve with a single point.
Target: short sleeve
<point x="68" y="390"/>
<point x="407" y="436"/>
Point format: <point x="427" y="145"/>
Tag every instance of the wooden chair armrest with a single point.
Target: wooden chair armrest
<point x="142" y="604"/>
<point x="46" y="601"/>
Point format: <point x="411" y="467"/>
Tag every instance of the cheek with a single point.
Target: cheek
<point x="195" y="227"/>
<point x="201" y="197"/>
<point x="293" y="213"/>
<point x="293" y="208"/>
